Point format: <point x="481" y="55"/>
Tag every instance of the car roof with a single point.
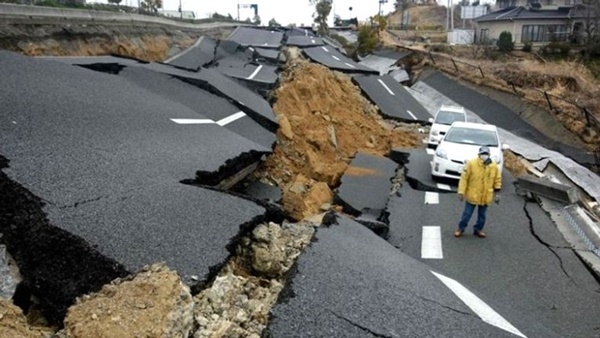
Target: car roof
<point x="474" y="125"/>
<point x="456" y="109"/>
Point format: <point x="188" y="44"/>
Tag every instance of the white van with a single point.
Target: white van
<point x="444" y="117"/>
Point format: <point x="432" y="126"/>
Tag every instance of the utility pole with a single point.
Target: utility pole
<point x="238" y="16"/>
<point x="180" y="10"/>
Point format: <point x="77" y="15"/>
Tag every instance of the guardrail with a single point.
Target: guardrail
<point x="42" y="12"/>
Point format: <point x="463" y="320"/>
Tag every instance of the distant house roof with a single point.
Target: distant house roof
<point x="522" y="13"/>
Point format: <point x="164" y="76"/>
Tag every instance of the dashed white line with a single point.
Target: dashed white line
<point x="432" y="198"/>
<point x="431" y="243"/>
<point x="336" y="58"/>
<point x="313" y="41"/>
<point x="193" y="121"/>
<point x="306" y="32"/>
<point x="443" y="186"/>
<point x="231" y="118"/>
<point x="430" y="151"/>
<point x="411" y="114"/>
<point x="481" y="309"/>
<point x="386" y="87"/>
<point x="325" y="49"/>
<point x="255" y="72"/>
<point x="349" y="65"/>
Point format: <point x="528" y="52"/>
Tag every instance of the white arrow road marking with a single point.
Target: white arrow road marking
<point x="481" y="309"/>
<point x="222" y="122"/>
<point x="193" y="121"/>
<point x="432" y="198"/>
<point x="231" y="118"/>
<point x="336" y="58"/>
<point x="255" y="72"/>
<point x="386" y="87"/>
<point x="443" y="186"/>
<point x="325" y="49"/>
<point x="411" y="114"/>
<point x="430" y="151"/>
<point x="431" y="243"/>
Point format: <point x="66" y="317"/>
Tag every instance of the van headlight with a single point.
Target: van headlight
<point x="435" y="132"/>
<point x="497" y="159"/>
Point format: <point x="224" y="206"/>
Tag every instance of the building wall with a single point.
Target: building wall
<point x="516" y="28"/>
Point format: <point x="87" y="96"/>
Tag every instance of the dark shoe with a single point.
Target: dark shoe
<point x="458" y="233"/>
<point x="480" y="234"/>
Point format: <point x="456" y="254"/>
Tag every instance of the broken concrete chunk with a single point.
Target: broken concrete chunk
<point x="154" y="303"/>
<point x="8" y="279"/>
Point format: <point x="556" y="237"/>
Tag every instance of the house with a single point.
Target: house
<point x="535" y="21"/>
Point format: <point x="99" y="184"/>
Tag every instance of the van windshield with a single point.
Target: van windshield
<point x="448" y="117"/>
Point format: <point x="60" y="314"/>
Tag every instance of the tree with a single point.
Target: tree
<point x="367" y="39"/>
<point x="590" y="14"/>
<point x="322" y="11"/>
<point x="274" y="23"/>
<point x="505" y="42"/>
<point x="152" y="5"/>
<point x="380" y="22"/>
<point x="256" y="20"/>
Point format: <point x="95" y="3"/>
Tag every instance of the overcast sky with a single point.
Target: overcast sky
<point x="284" y="11"/>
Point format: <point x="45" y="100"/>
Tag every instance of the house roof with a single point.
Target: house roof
<point x="522" y="13"/>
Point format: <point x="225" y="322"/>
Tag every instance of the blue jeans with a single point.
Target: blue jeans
<point x="466" y="216"/>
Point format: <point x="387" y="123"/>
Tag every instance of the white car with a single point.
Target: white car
<point x="444" y="117"/>
<point x="461" y="143"/>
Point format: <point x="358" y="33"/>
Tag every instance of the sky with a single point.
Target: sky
<point x="285" y="12"/>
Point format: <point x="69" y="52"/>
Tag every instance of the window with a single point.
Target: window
<point x="544" y="33"/>
<point x="484" y="36"/>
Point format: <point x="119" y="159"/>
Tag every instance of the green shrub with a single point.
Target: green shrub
<point x="342" y="40"/>
<point x="527" y="47"/>
<point x="367" y="39"/>
<point x="505" y="42"/>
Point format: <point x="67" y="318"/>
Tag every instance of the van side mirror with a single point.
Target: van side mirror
<point x="505" y="146"/>
<point x="430" y="120"/>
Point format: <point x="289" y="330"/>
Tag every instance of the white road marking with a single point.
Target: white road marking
<point x="430" y="151"/>
<point x="252" y="49"/>
<point x="386" y="87"/>
<point x="325" y="49"/>
<point x="336" y="58"/>
<point x="193" y="121"/>
<point x="231" y="118"/>
<point x="306" y="32"/>
<point x="443" y="186"/>
<point x="481" y="309"/>
<point x="432" y="198"/>
<point x="313" y="41"/>
<point x="196" y="44"/>
<point x="255" y="72"/>
<point x="349" y="65"/>
<point x="222" y="122"/>
<point x="411" y="114"/>
<point x="431" y="243"/>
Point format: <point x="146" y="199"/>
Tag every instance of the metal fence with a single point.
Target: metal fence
<point x="550" y="100"/>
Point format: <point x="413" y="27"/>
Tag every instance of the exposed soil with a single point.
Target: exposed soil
<point x="13" y="323"/>
<point x="145" y="43"/>
<point x="324" y="121"/>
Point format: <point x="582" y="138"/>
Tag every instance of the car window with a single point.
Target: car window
<point x="472" y="136"/>
<point x="447" y="117"/>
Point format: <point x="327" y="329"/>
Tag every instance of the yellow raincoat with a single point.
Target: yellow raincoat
<point x="478" y="182"/>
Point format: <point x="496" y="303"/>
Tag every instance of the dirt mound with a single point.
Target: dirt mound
<point x="14" y="324"/>
<point x="537" y="79"/>
<point x="324" y="121"/>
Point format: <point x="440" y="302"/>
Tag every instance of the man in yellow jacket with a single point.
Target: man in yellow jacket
<point x="479" y="181"/>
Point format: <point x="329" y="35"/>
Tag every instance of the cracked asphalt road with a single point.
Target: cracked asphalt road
<point x="524" y="269"/>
